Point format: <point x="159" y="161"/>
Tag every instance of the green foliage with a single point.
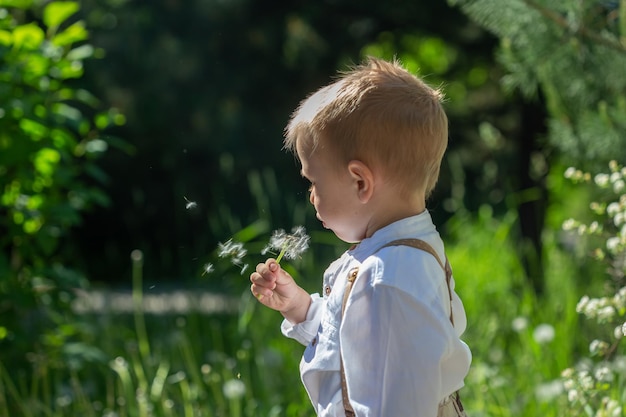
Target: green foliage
<point x="49" y="144"/>
<point x="184" y="363"/>
<point x="573" y="54"/>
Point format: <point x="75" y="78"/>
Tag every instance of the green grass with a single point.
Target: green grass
<point x="232" y="365"/>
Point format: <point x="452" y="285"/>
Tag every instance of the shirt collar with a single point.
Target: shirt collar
<point x="409" y="227"/>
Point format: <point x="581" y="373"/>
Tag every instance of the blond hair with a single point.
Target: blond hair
<point x="380" y="114"/>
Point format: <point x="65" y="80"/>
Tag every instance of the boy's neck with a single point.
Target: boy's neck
<point x="389" y="206"/>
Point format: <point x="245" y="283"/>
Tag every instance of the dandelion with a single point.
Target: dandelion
<point x="190" y="204"/>
<point x="233" y="250"/>
<point x="519" y="324"/>
<point x="549" y="390"/>
<point x="290" y="246"/>
<point x="544" y="333"/>
<point x="234" y="389"/>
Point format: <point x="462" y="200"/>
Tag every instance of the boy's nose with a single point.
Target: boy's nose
<point x="311" y="198"/>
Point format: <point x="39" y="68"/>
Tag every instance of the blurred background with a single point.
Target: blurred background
<point x="154" y="128"/>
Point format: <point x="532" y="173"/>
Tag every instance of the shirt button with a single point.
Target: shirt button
<point x="327" y="290"/>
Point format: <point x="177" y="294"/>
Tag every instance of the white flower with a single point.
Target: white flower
<point x="612" y="244"/>
<point x="582" y="304"/>
<point x="572" y="395"/>
<point x="618" y="333"/>
<point x="598" y="347"/>
<point x="544" y="333"/>
<point x="618" y="186"/>
<point x="606" y="313"/>
<point x="613" y="208"/>
<point x="569" y="224"/>
<point x="519" y="324"/>
<point x="604" y="374"/>
<point x="602" y="180"/>
<point x="549" y="390"/>
<point x="570" y="172"/>
<point x="234" y="389"/>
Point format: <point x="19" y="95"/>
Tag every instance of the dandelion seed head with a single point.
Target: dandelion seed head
<point x="519" y="324"/>
<point x="234" y="389"/>
<point x="544" y="333"/>
<point x="292" y="244"/>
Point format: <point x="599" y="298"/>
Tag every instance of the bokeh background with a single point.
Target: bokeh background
<point x="136" y="136"/>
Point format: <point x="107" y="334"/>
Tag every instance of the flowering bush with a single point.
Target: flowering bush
<point x="593" y="384"/>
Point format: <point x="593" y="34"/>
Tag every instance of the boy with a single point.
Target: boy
<point x="371" y="145"/>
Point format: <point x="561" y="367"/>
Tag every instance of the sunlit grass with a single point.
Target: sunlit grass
<point x="193" y="364"/>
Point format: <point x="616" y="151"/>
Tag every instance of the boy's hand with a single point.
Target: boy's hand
<point x="276" y="289"/>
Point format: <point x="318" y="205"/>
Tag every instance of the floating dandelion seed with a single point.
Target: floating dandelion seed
<point x="208" y="268"/>
<point x="190" y="204"/>
<point x="290" y="246"/>
<point x="233" y="250"/>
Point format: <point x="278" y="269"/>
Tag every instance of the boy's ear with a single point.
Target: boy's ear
<point x="363" y="179"/>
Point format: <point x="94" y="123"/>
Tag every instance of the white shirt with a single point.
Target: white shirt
<point x="401" y="354"/>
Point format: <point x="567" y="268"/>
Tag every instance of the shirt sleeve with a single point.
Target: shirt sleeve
<point x="305" y="331"/>
<point x="394" y="346"/>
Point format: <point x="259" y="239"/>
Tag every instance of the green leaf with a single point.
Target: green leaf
<point x="28" y="36"/>
<point x="74" y="33"/>
<point x="34" y="129"/>
<point x="46" y="161"/>
<point x="81" y="53"/>
<point x="57" y="12"/>
<point x="20" y="4"/>
<point x="6" y="38"/>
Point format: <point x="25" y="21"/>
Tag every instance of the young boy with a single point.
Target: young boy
<point x="371" y="145"/>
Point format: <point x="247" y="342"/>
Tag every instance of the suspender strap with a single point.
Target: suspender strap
<point x="344" y="386"/>
<point x="417" y="244"/>
<point x="421" y="245"/>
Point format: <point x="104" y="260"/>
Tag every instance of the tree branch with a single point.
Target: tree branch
<point x="582" y="31"/>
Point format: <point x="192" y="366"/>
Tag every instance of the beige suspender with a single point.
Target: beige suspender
<point x="415" y="243"/>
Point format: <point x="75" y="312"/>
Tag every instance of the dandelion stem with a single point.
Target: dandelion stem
<point x="280" y="255"/>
